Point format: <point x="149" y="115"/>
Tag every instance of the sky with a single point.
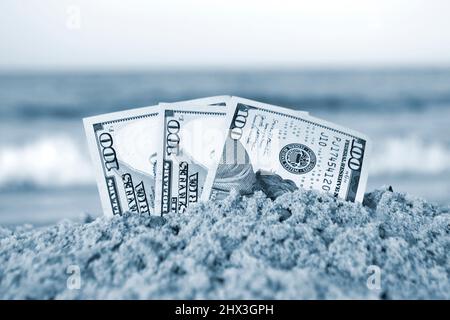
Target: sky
<point x="113" y="34"/>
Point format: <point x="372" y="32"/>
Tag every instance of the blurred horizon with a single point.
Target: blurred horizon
<point x="429" y="68"/>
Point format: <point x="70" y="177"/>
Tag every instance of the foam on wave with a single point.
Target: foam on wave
<point x="409" y="155"/>
<point x="57" y="161"/>
<point x="61" y="161"/>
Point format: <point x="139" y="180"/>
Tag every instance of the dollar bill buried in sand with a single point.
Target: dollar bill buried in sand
<point x="123" y="147"/>
<point x="277" y="150"/>
<point x="123" y="150"/>
<point x="192" y="136"/>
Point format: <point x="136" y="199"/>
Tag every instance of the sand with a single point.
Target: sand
<point x="302" y="245"/>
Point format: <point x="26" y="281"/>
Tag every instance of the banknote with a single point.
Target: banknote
<point x="276" y="150"/>
<point x="191" y="136"/>
<point x="123" y="152"/>
<point x="123" y="149"/>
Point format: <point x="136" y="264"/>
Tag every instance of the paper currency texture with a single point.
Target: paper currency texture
<point x="191" y="137"/>
<point x="269" y="148"/>
<point x="123" y="150"/>
<point x="123" y="147"/>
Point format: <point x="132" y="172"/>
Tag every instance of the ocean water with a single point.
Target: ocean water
<point x="45" y="169"/>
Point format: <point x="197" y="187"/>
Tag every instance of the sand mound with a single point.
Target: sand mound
<point x="301" y="245"/>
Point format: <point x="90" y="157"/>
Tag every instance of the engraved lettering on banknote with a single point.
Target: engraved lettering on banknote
<point x="183" y="168"/>
<point x="299" y="151"/>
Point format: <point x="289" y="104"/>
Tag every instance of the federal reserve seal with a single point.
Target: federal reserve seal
<point x="297" y="158"/>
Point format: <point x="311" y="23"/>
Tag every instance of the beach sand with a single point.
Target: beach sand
<point x="302" y="245"/>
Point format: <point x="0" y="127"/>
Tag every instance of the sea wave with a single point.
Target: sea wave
<point x="45" y="162"/>
<point x="325" y="103"/>
<point x="62" y="161"/>
<point x="75" y="95"/>
<point x="409" y="155"/>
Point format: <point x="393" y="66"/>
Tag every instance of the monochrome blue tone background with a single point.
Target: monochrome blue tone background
<point x="46" y="173"/>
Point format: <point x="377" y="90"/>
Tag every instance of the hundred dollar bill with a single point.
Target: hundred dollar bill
<point x="123" y="149"/>
<point x="191" y="136"/>
<point x="276" y="149"/>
